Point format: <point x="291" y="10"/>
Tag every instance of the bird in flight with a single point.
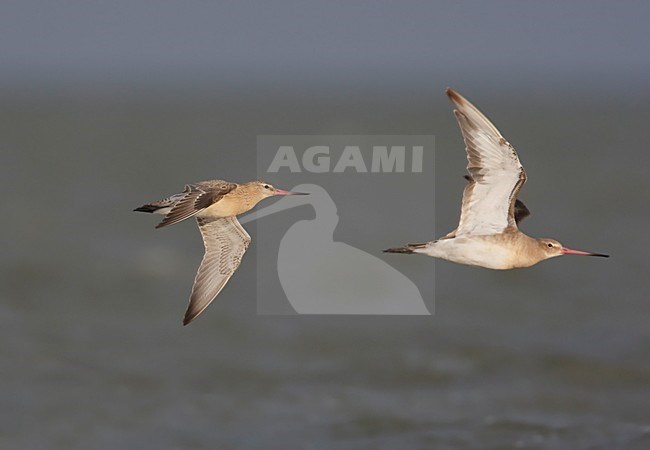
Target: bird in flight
<point x="216" y="205"/>
<point x="487" y="233"/>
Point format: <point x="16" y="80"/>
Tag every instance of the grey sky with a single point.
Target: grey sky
<point x="595" y="42"/>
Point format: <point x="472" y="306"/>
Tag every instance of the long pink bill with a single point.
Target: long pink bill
<point x="281" y="192"/>
<point x="568" y="251"/>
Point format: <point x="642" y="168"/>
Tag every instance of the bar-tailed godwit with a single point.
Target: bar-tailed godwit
<point x="487" y="233"/>
<point x="216" y="205"/>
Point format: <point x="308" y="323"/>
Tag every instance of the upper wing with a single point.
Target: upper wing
<point x="225" y="243"/>
<point x="496" y="173"/>
<point x="196" y="197"/>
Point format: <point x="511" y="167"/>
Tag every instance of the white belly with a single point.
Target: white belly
<point x="471" y="251"/>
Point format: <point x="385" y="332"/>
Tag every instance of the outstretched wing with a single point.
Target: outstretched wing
<point x="496" y="173"/>
<point x="225" y="243"/>
<point x="196" y="197"/>
<point x="520" y="213"/>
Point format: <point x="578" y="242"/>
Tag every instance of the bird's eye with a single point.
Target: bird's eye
<point x="549" y="245"/>
<point x="266" y="186"/>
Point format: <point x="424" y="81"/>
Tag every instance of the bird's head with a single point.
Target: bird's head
<point x="551" y="248"/>
<point x="263" y="190"/>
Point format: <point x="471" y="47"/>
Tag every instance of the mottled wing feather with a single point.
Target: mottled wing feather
<point x="196" y="197"/>
<point x="225" y="243"/>
<point x="183" y="208"/>
<point x="496" y="174"/>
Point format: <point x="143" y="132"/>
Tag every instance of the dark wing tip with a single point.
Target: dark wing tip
<point x="190" y="315"/>
<point x="454" y="96"/>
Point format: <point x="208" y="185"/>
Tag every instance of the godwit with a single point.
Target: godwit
<point x="487" y="233"/>
<point x="216" y="205"/>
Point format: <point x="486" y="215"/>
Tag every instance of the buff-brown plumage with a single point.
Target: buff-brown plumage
<point x="216" y="205"/>
<point x="487" y="234"/>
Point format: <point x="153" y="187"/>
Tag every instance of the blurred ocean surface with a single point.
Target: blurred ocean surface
<point x="93" y="354"/>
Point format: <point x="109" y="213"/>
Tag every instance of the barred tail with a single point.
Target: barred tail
<point x="408" y="248"/>
<point x="148" y="208"/>
<point x="161" y="206"/>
